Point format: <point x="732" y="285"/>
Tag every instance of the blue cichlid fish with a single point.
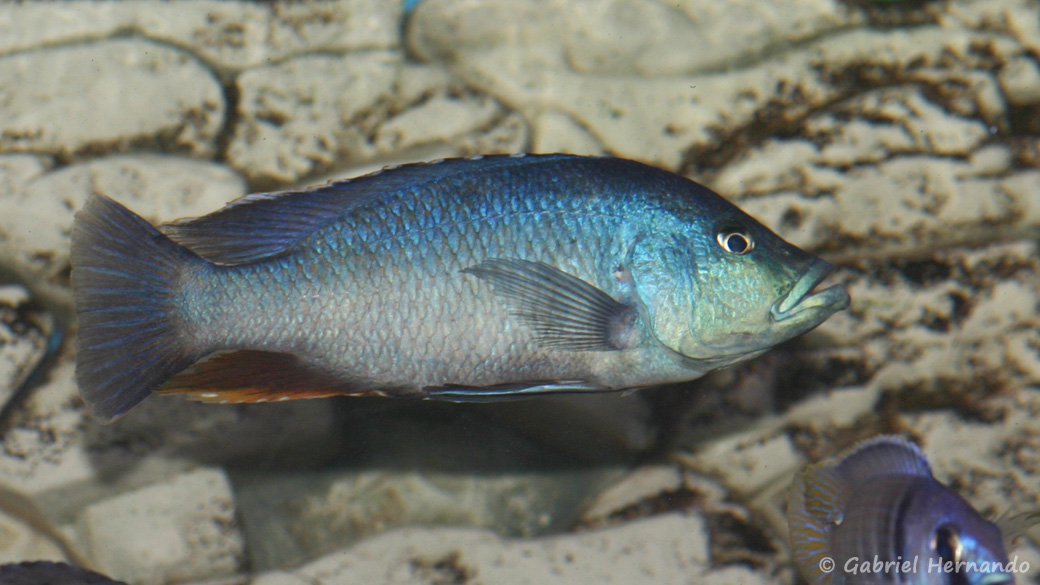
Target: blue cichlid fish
<point x="466" y="279"/>
<point x="878" y="503"/>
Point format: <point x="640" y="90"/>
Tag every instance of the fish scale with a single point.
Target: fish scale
<point x="478" y="279"/>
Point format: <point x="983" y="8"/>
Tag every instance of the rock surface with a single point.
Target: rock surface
<point x="899" y="140"/>
<point x="181" y="530"/>
<point x="307" y="113"/>
<point x="109" y="95"/>
<point x="670" y="549"/>
<point x="25" y="339"/>
<point x="36" y="213"/>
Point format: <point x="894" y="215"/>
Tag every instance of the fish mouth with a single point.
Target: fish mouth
<point x="801" y="298"/>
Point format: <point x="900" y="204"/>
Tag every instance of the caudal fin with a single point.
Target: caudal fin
<point x="125" y="275"/>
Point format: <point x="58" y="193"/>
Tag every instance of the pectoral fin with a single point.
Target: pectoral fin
<point x="564" y="311"/>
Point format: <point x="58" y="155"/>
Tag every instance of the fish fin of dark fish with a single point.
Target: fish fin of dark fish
<point x="124" y="276"/>
<point x="500" y="392"/>
<point x="51" y="573"/>
<point x="256" y="376"/>
<point x="264" y="225"/>
<point x="1012" y="526"/>
<point x="565" y="312"/>
<point x="814" y="504"/>
<point x="883" y="455"/>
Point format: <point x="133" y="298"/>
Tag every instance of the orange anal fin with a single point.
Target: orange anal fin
<point x="256" y="376"/>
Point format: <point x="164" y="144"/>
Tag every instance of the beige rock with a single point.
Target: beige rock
<point x="23" y="339"/>
<point x="671" y="548"/>
<point x="180" y="530"/>
<point x="438" y="119"/>
<point x="925" y="180"/>
<point x="1020" y="80"/>
<point x="36" y="215"/>
<point x="303" y="115"/>
<point x="557" y="132"/>
<point x="228" y="35"/>
<point x="748" y="462"/>
<point x="108" y="95"/>
<point x="657" y="119"/>
<point x="627" y="37"/>
<point x="19" y="541"/>
<point x="45" y="448"/>
<point x="641" y="484"/>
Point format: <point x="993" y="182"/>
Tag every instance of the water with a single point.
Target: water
<point x="878" y="136"/>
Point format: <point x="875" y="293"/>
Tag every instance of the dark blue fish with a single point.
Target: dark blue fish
<point x="879" y="504"/>
<point x="477" y="279"/>
<point x="51" y="573"/>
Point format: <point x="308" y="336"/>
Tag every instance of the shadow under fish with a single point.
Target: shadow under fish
<point x="875" y="515"/>
<point x="479" y="279"/>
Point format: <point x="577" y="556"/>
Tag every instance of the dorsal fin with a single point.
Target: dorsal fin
<point x="263" y="225"/>
<point x="883" y="455"/>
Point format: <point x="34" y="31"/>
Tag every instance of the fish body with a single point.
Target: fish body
<point x="466" y="279"/>
<point x="878" y="517"/>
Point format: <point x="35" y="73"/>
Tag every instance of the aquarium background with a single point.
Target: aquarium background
<point x="899" y="140"/>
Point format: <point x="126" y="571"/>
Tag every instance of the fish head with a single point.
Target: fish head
<point x="952" y="538"/>
<point x="719" y="291"/>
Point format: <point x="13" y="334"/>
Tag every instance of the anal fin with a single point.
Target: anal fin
<point x="256" y="376"/>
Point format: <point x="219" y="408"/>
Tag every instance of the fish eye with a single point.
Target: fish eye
<point x="735" y="241"/>
<point x="946" y="542"/>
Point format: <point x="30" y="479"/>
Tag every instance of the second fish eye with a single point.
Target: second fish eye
<point x="735" y="241"/>
<point x="946" y="542"/>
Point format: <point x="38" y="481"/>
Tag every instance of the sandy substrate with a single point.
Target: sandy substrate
<point x="900" y="140"/>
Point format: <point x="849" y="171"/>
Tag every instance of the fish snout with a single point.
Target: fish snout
<point x="801" y="298"/>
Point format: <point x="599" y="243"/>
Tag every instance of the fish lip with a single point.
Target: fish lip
<point x="800" y="298"/>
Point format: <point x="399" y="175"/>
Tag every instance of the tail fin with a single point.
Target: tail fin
<point x="125" y="274"/>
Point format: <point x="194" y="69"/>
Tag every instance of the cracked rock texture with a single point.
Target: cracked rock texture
<point x="108" y="95"/>
<point x="307" y="112"/>
<point x="900" y="140"/>
<point x="39" y="200"/>
<point x="24" y="339"/>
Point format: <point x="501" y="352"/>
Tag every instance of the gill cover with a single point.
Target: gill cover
<point x="662" y="271"/>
